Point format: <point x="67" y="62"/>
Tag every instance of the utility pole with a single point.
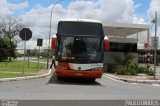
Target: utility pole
<point x="50" y="27"/>
<point x="155" y="44"/>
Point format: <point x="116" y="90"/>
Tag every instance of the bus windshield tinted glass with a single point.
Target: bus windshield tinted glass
<point x="80" y="28"/>
<point x="80" y="49"/>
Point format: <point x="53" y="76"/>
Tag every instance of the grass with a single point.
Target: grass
<point x="15" y="68"/>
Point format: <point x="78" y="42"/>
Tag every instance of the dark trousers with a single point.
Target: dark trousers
<point x="53" y="63"/>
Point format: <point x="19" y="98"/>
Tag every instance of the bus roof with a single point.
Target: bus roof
<point x="81" y="20"/>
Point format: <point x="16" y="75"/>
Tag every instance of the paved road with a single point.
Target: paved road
<point x="50" y="88"/>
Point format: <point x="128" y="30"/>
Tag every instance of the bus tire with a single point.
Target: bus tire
<point x="59" y="78"/>
<point x="92" y="79"/>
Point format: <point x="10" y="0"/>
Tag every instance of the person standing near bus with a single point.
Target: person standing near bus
<point x="53" y="62"/>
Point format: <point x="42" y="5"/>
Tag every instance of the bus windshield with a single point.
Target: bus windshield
<point x="80" y="49"/>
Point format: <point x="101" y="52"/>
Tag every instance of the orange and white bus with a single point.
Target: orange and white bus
<point x="80" y="46"/>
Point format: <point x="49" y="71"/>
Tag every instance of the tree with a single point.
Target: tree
<point x="4" y="49"/>
<point x="1" y="34"/>
<point x="11" y="27"/>
<point x="33" y="52"/>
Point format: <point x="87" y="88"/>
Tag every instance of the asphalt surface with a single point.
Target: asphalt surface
<point x="76" y="89"/>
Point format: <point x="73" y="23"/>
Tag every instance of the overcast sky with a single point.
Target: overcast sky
<point x="36" y="13"/>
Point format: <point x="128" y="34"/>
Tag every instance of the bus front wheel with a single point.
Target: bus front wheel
<point x="92" y="79"/>
<point x="59" y="78"/>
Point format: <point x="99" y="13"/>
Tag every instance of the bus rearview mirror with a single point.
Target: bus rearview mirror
<point x="106" y="45"/>
<point x="53" y="43"/>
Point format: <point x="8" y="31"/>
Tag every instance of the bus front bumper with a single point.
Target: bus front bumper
<point x="60" y="73"/>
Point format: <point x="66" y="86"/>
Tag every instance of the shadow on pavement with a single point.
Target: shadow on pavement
<point x="72" y="81"/>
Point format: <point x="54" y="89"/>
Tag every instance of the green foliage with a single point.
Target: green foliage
<point x="120" y="70"/>
<point x="130" y="70"/>
<point x="52" y="51"/>
<point x="128" y="59"/>
<point x="111" y="68"/>
<point x="150" y="72"/>
<point x="5" y="49"/>
<point x="128" y="67"/>
<point x="145" y="70"/>
<point x="32" y="52"/>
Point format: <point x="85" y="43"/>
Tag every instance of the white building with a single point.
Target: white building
<point x="124" y="38"/>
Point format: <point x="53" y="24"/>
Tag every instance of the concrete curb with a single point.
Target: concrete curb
<point x="133" y="80"/>
<point x="26" y="77"/>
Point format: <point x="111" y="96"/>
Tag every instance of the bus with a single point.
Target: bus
<point x="79" y="48"/>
